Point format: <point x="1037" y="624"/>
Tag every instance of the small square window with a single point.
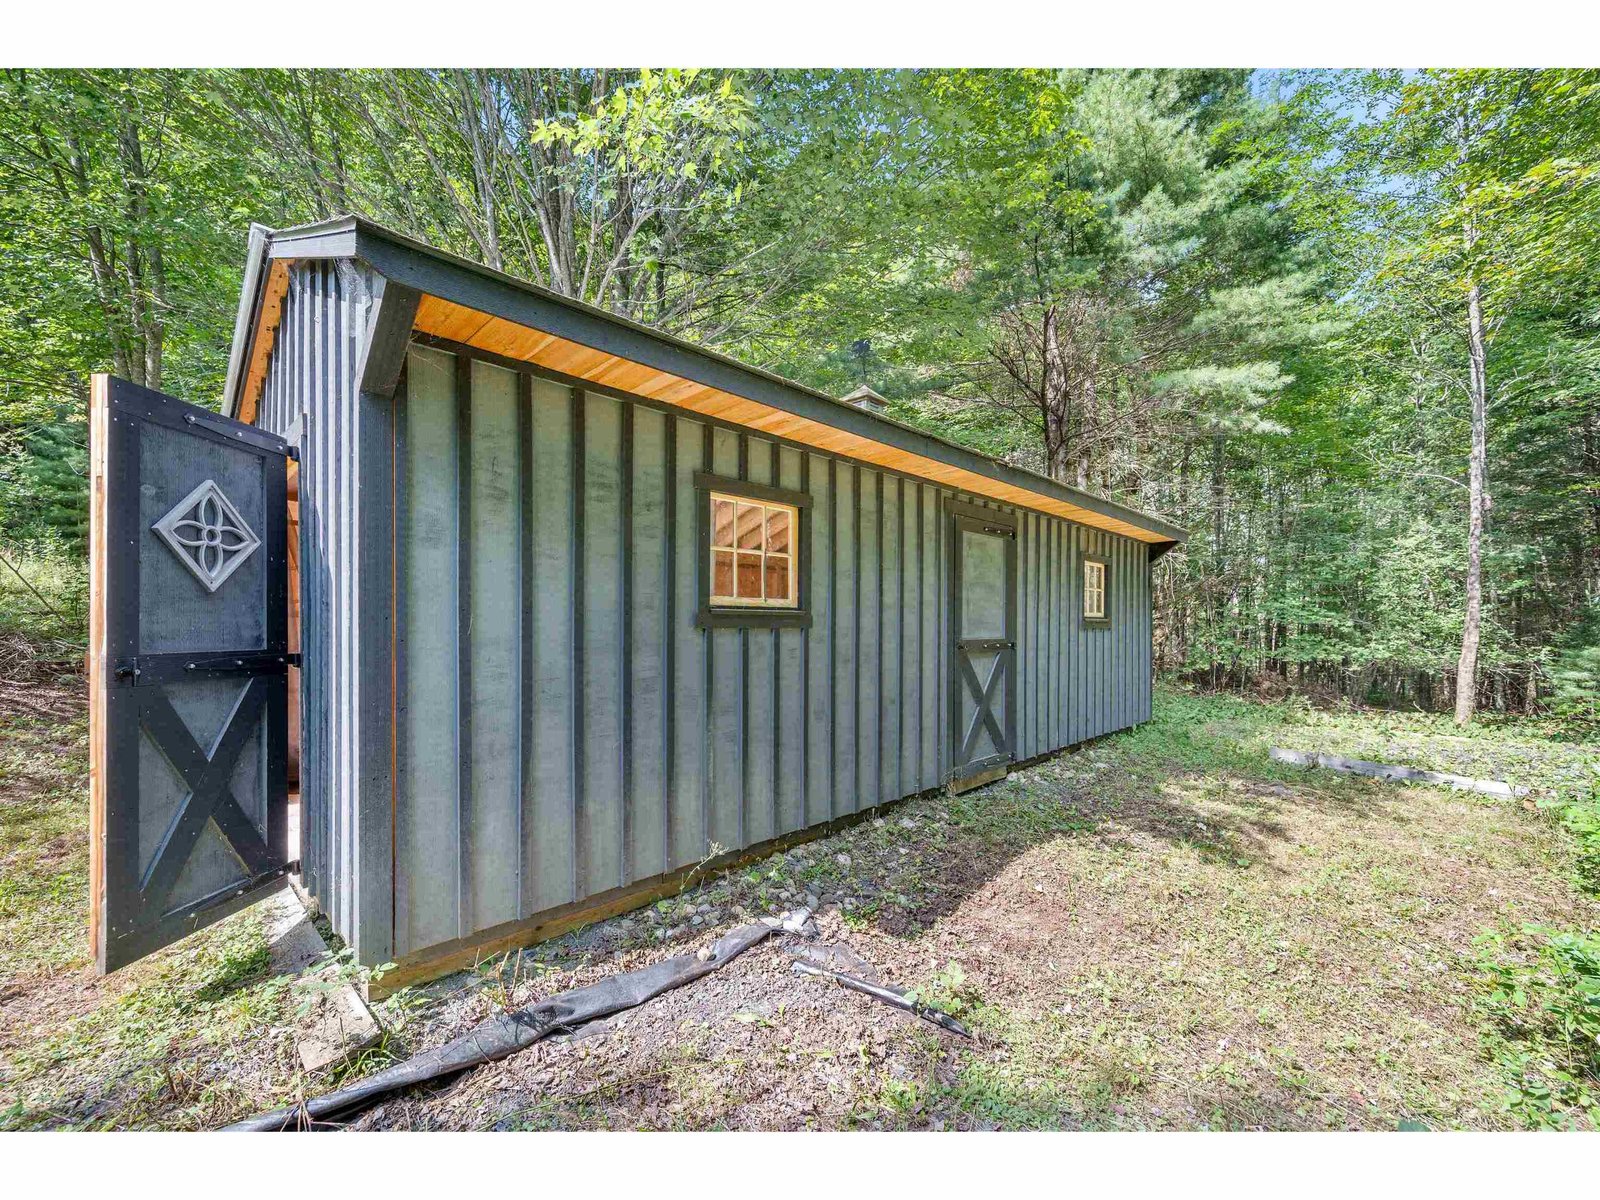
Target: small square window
<point x="752" y="552"/>
<point x="1094" y="590"/>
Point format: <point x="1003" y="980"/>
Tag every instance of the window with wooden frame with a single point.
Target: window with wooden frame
<point x="1094" y="590"/>
<point x="752" y="551"/>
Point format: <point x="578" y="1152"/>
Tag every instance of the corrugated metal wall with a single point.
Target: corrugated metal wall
<point x="563" y="726"/>
<point x="311" y="381"/>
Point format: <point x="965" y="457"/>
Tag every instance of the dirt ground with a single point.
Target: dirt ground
<point x="1157" y="933"/>
<point x="1163" y="931"/>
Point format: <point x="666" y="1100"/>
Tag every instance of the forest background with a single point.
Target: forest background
<point x="1344" y="326"/>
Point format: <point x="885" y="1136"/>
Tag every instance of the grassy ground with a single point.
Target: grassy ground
<point x="1164" y="931"/>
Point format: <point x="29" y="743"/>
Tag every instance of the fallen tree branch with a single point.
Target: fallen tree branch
<point x="890" y="996"/>
<point x="1395" y="774"/>
<point x="506" y="1033"/>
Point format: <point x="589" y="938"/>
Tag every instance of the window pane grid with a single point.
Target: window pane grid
<point x="752" y="553"/>
<point x="1094" y="590"/>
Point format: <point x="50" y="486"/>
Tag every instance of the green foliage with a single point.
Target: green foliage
<point x="1575" y="673"/>
<point x="1578" y="808"/>
<point x="1541" y="993"/>
<point x="1234" y="298"/>
<point x="45" y="493"/>
<point x="44" y="594"/>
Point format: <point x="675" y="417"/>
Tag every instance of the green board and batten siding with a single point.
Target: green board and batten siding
<point x="565" y="728"/>
<point x="561" y="725"/>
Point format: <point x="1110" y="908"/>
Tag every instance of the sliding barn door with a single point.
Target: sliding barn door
<point x="188" y="667"/>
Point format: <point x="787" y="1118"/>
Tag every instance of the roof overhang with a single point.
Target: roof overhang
<point x="470" y="305"/>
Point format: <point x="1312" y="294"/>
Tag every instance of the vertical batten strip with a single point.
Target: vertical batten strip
<point x="349" y="694"/>
<point x="1042" y="619"/>
<point x="1063" y="708"/>
<point x="326" y="325"/>
<point x="1052" y="660"/>
<point x="703" y="570"/>
<point x="808" y="590"/>
<point x="463" y="488"/>
<point x="1080" y="546"/>
<point x="744" y="675"/>
<point x="922" y="639"/>
<point x="900" y="637"/>
<point x="1074" y="640"/>
<point x="833" y="637"/>
<point x="855" y="643"/>
<point x="1091" y="650"/>
<point x="580" y="879"/>
<point x="402" y="627"/>
<point x="942" y="637"/>
<point x="526" y="634"/>
<point x="879" y="651"/>
<point x="669" y="638"/>
<point x="1124" y="675"/>
<point x="1023" y="635"/>
<point x="625" y="658"/>
<point x="775" y="664"/>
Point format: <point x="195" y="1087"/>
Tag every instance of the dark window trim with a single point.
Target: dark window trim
<point x="1105" y="592"/>
<point x="711" y="616"/>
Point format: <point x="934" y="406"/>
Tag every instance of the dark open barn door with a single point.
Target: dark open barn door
<point x="188" y="664"/>
<point x="984" y="661"/>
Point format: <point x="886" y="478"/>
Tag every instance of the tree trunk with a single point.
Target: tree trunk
<point x="1053" y="395"/>
<point x="1471" y="630"/>
<point x="1218" y="601"/>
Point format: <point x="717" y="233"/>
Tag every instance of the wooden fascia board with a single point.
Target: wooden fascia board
<point x="268" y="313"/>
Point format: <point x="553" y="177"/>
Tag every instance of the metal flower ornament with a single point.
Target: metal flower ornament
<point x="208" y="535"/>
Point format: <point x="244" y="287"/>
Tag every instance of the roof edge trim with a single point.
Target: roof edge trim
<point x="437" y="273"/>
<point x="244" y="321"/>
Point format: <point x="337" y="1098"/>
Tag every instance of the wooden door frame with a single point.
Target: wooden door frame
<point x="996" y="523"/>
<point x="293" y="540"/>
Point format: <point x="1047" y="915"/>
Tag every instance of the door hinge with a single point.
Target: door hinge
<point x="293" y="659"/>
<point x="1000" y="531"/>
<point x="292" y="452"/>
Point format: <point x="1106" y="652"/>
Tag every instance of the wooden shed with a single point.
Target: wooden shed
<point x="569" y="605"/>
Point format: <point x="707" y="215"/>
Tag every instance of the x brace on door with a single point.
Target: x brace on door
<point x="206" y="775"/>
<point x="984" y="696"/>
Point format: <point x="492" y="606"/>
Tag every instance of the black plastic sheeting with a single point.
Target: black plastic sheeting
<point x="507" y="1033"/>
